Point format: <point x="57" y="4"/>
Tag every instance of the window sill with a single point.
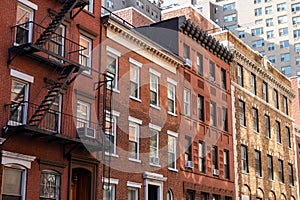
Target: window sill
<point x="116" y="90"/>
<point x="112" y="155"/>
<point x="155" y="107"/>
<point x="86" y="74"/>
<point x="172" y="169"/>
<point x="246" y="173"/>
<point x="260" y="177"/>
<point x="88" y="12"/>
<point x="173" y="114"/>
<point x="255" y="132"/>
<point x="135" y="99"/>
<point x="279" y="143"/>
<point x="243" y="126"/>
<point x="134" y="160"/>
<point x="155" y="165"/>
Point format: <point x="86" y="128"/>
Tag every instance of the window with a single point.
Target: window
<point x="24" y="28"/>
<point x="268" y="10"/>
<point x="133" y="194"/>
<point x="258" y="43"/>
<point x="109" y="192"/>
<point x="53" y="117"/>
<point x="295" y="7"/>
<point x="285" y="105"/>
<point x="170" y="195"/>
<point x="49" y="185"/>
<point x="296" y="20"/>
<point x="275" y="98"/>
<point x="265" y="91"/>
<point x="204" y="196"/>
<point x="212" y="70"/>
<point x="259" y="21"/>
<point x="110" y="134"/>
<point x="190" y="195"/>
<point x="214" y="154"/>
<point x="240" y="74"/>
<point x="288" y="137"/>
<point x="283" y="31"/>
<point x="110" y="4"/>
<point x="244" y="153"/>
<point x="187" y="101"/>
<point x="270" y="34"/>
<point x="56" y="43"/>
<point x="291" y="174"/>
<point x="242" y="108"/>
<point x="270" y="167"/>
<point x="112" y="70"/>
<point x="13" y="182"/>
<point x="154" y="146"/>
<point x="280" y="171"/>
<point x="83" y="114"/>
<point x="272" y="59"/>
<point x="223" y="79"/>
<point x="228" y="198"/>
<point x="284" y="44"/>
<point x="258" y="11"/>
<point x="262" y="53"/>
<point x="282" y="19"/>
<point x="85" y="54"/>
<point x="281" y="7"/>
<point x="200" y="63"/>
<point x="213" y="112"/>
<point x="230" y="6"/>
<point x="226" y="164"/>
<point x="230" y="18"/>
<point x="257" y="1"/>
<point x="200" y="107"/>
<point x="140" y="4"/>
<point x="285" y="57"/>
<point x="18" y="97"/>
<point x="269" y="22"/>
<point x="286" y="70"/>
<point x="297" y="47"/>
<point x="253" y="83"/>
<point x="134" y="132"/>
<point x="241" y="34"/>
<point x="296" y="33"/>
<point x="267" y="126"/>
<point x="186" y="51"/>
<point x="202" y="157"/>
<point x="89" y="7"/>
<point x="188" y="148"/>
<point x="224" y="119"/>
<point x="271" y="47"/>
<point x="171" y="152"/>
<point x="154" y="89"/>
<point x="134" y="81"/>
<point x="258" y="171"/>
<point x="171" y="98"/>
<point x="216" y="197"/>
<point x="255" y="119"/>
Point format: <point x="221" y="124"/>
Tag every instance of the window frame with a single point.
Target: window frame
<point x="213" y="113"/>
<point x="288" y="137"/>
<point x="278" y="132"/>
<point x="135" y="124"/>
<point x="57" y="184"/>
<point x="268" y="126"/>
<point x="258" y="164"/>
<point x="30" y="10"/>
<point x="152" y="147"/>
<point x="154" y="76"/>
<point x="270" y="167"/>
<point x="242" y="108"/>
<point x="137" y="69"/>
<point x="114" y="54"/>
<point x="212" y="71"/>
<point x="200" y="107"/>
<point x="187" y="101"/>
<point x="280" y="171"/>
<point x="172" y="136"/>
<point x="86" y="121"/>
<point x="202" y="156"/>
<point x="87" y="56"/>
<point x="240" y="75"/>
<point x="200" y="64"/>
<point x="226" y="164"/>
<point x="291" y="174"/>
<point x="172" y="97"/>
<point x="114" y="120"/>
<point x="255" y="119"/>
<point x="244" y="159"/>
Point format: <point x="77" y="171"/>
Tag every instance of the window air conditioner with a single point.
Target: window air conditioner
<point x="216" y="172"/>
<point x="154" y="160"/>
<point x="86" y="132"/>
<point x="189" y="164"/>
<point x="187" y="62"/>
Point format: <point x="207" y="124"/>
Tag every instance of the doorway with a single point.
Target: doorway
<point x="81" y="187"/>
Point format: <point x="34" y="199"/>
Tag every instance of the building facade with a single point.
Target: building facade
<point x="265" y="165"/>
<point x="269" y="27"/>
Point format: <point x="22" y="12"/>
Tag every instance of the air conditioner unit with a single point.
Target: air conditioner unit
<point x="154" y="160"/>
<point x="187" y="62"/>
<point x="189" y="164"/>
<point x="86" y="132"/>
<point x="216" y="172"/>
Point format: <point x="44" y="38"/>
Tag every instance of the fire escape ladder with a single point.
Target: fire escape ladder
<point x="53" y="93"/>
<point x="68" y="6"/>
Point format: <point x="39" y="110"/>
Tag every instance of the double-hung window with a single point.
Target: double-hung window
<point x="154" y="88"/>
<point x="202" y="157"/>
<point x="291" y="174"/>
<point x="24" y="27"/>
<point x="240" y="75"/>
<point x="267" y="126"/>
<point x="215" y="157"/>
<point x="258" y="167"/>
<point x="270" y="167"/>
<point x="223" y="79"/>
<point x="285" y="105"/>
<point x="135" y="79"/>
<point x="224" y="119"/>
<point x="200" y="107"/>
<point x="244" y="156"/>
<point x="171" y="96"/>
<point x="49" y="185"/>
<point x="280" y="171"/>
<point x="213" y="113"/>
<point x="275" y="98"/>
<point x="134" y="138"/>
<point x="212" y="71"/>
<point x="188" y="148"/>
<point x="278" y="132"/>
<point x="187" y="101"/>
<point x="288" y="137"/>
<point x="265" y="91"/>
<point x="253" y="83"/>
<point x="83" y="114"/>
<point x="154" y="144"/>
<point x="112" y="67"/>
<point x="226" y="164"/>
<point x="89" y="7"/>
<point x="255" y="119"/>
<point x="200" y="63"/>
<point x="172" y="142"/>
<point x="85" y="53"/>
<point x="242" y="108"/>
<point x="111" y="133"/>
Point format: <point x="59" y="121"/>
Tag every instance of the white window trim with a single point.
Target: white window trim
<point x="91" y="6"/>
<point x="88" y="111"/>
<point x="134" y="184"/>
<point x="114" y="153"/>
<point x="114" y="54"/>
<point x="113" y="51"/>
<point x="21" y="75"/>
<point x="154" y="179"/>
<point x="138" y="68"/>
<point x="136" y="63"/>
<point x="110" y="180"/>
<point x="157" y="146"/>
<point x="135" y="120"/>
<point x="136" y="123"/>
<point x="29" y="4"/>
<point x="174" y="100"/>
<point x="90" y="46"/>
<point x="16" y="158"/>
<point x="155" y="127"/>
<point x="156" y="73"/>
<point x="171" y="81"/>
<point x="174" y="134"/>
<point x="187" y="112"/>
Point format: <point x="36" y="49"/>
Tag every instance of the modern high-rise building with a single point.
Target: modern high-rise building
<point x="270" y="27"/>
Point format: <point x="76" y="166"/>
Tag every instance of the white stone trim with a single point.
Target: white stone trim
<point x="171" y="81"/>
<point x="136" y="63"/>
<point x="29" y="4"/>
<point x="155" y="127"/>
<point x="134" y="184"/>
<point x="156" y="73"/>
<point x="21" y="75"/>
<point x="113" y="113"/>
<point x="154" y="176"/>
<point x="113" y="51"/>
<point x="135" y="120"/>
<point x="110" y="180"/>
<point x="16" y="158"/>
<point x="172" y="133"/>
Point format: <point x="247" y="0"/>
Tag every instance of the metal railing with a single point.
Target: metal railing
<point x="59" y="47"/>
<point x="18" y="114"/>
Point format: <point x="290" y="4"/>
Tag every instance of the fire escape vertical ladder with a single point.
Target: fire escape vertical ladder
<point x="53" y="93"/>
<point x="58" y="19"/>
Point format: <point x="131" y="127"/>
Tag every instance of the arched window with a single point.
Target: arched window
<point x="170" y="195"/>
<point x="49" y="185"/>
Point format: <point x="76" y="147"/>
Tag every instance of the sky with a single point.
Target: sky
<point x="168" y="2"/>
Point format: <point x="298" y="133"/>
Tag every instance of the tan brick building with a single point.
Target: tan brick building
<point x="262" y="126"/>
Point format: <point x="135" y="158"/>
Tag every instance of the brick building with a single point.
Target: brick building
<point x="263" y="133"/>
<point x="46" y="55"/>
